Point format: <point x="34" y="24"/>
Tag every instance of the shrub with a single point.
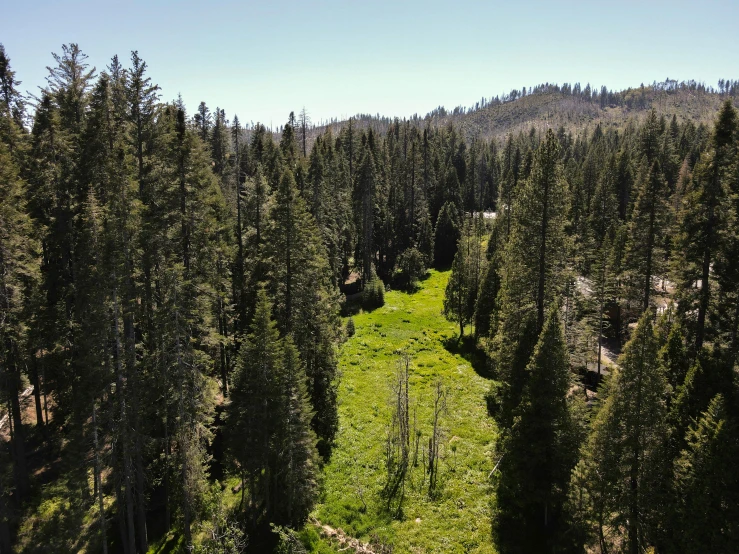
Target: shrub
<point x="350" y="327"/>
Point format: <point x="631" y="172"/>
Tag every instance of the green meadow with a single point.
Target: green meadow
<point x="456" y="518"/>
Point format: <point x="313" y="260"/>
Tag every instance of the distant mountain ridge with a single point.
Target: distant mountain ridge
<point x="568" y="106"/>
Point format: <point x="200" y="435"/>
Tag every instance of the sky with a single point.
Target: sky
<point x="261" y="60"/>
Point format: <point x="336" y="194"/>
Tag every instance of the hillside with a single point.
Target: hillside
<point x="549" y="107"/>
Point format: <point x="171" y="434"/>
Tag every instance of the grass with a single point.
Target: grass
<point x="457" y="518"/>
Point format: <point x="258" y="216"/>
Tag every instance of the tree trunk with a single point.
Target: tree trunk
<point x="19" y="444"/>
<point x="37" y="391"/>
<point x="650" y="247"/>
<point x="542" y="259"/>
<point x="130" y="536"/>
<point x="99" y="483"/>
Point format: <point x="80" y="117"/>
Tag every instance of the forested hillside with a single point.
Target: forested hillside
<point x="199" y="352"/>
<point x="575" y="108"/>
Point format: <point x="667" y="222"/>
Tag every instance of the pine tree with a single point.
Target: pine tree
<point x="486" y="308"/>
<point x="457" y="292"/>
<point x="425" y="241"/>
<point x="707" y="493"/>
<point x="253" y="402"/>
<point x="701" y="222"/>
<point x="643" y="255"/>
<point x="532" y="272"/>
<point x="624" y="460"/>
<point x="539" y="453"/>
<point x="463" y="286"/>
<point x="18" y="278"/>
<point x="447" y="235"/>
<point x="297" y="471"/>
<point x="364" y="202"/>
<point x="12" y="109"/>
<point x="305" y="302"/>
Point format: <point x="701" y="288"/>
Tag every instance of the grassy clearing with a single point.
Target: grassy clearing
<point x="458" y="518"/>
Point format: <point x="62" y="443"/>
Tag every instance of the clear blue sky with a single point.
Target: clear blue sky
<point x="261" y="60"/>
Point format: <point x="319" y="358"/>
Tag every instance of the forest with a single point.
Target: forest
<point x="218" y="338"/>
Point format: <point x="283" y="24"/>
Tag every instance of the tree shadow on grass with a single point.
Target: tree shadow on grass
<point x="467" y="348"/>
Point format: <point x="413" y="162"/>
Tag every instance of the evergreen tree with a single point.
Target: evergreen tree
<point x="539" y="452"/>
<point x="701" y="222"/>
<point x="643" y="255"/>
<point x="532" y="272"/>
<point x="447" y="235"/>
<point x="305" y="301"/>
<point x="486" y="308"/>
<point x="19" y="266"/>
<point x="461" y="291"/>
<point x="253" y="402"/>
<point x="425" y="241"/>
<point x="706" y="493"/>
<point x="364" y="202"/>
<point x="297" y="471"/>
<point x="623" y="461"/>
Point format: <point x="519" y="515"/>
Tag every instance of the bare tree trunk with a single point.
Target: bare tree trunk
<point x="435" y="439"/>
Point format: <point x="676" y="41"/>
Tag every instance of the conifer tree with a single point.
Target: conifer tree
<point x="532" y="271"/>
<point x="643" y="255"/>
<point x="457" y="293"/>
<point x="305" y="301"/>
<point x="624" y="460"/>
<point x="447" y="234"/>
<point x="18" y="278"/>
<point x="539" y="452"/>
<point x="486" y="307"/>
<point x="253" y="403"/>
<point x="364" y="202"/>
<point x="463" y="286"/>
<point x="12" y="108"/>
<point x="701" y="221"/>
<point x="297" y="472"/>
<point x="706" y="494"/>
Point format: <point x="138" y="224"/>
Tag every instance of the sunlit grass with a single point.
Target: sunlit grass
<point x="457" y="519"/>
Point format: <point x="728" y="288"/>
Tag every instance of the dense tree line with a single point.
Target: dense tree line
<point x="626" y="239"/>
<point x="171" y="290"/>
<point x="157" y="268"/>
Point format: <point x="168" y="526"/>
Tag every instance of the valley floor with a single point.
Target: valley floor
<point x="457" y="517"/>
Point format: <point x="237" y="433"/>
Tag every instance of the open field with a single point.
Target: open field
<point x="457" y="518"/>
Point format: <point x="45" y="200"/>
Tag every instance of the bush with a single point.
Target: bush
<point x="350" y="327"/>
<point x="411" y="267"/>
<point x="373" y="295"/>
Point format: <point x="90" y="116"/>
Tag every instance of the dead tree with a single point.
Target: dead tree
<point x="398" y="442"/>
<point x="436" y="435"/>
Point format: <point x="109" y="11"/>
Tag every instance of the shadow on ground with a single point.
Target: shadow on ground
<point x="467" y="348"/>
